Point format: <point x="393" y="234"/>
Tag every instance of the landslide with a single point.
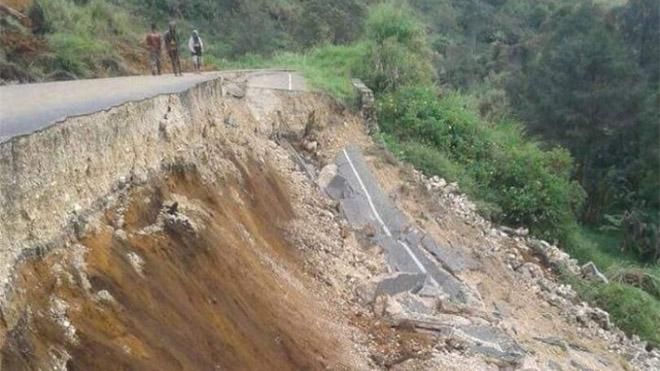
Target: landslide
<point x="176" y="233"/>
<point x="191" y="283"/>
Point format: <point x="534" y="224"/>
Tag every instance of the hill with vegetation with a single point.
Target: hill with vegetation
<point x="546" y="112"/>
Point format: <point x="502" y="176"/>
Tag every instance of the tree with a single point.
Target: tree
<point x="640" y="23"/>
<point x="582" y="90"/>
<point x="399" y="53"/>
<point x="335" y="22"/>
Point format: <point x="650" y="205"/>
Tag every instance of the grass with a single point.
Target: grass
<point x="633" y="310"/>
<point x="327" y="68"/>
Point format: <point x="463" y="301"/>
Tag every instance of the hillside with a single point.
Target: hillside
<point x="544" y="114"/>
<point x="235" y="226"/>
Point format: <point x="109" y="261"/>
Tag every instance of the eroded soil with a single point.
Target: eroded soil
<point x="222" y="289"/>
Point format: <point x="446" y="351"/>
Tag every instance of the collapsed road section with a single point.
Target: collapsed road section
<point x="423" y="267"/>
<point x="364" y="204"/>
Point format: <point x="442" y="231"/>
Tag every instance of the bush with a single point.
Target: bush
<point x="398" y="52"/>
<point x="531" y="186"/>
<point x="632" y="309"/>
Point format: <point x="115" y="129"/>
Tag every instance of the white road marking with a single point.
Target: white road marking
<point x="290" y="81"/>
<point x="382" y="223"/>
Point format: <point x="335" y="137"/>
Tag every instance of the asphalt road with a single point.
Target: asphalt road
<point x="27" y="108"/>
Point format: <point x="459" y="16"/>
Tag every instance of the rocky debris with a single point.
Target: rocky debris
<point x="104" y="296"/>
<point x="530" y="271"/>
<point x="515" y="246"/>
<point x="179" y="224"/>
<point x="230" y="121"/>
<point x="120" y="235"/>
<point x="175" y="221"/>
<point x="553" y="256"/>
<point x="584" y="314"/>
<point x="591" y="272"/>
<point x="460" y="326"/>
<point x="554" y="341"/>
<point x="233" y="89"/>
<point x="79" y="266"/>
<point x="367" y="104"/>
<point x="520" y="232"/>
<point x="303" y="165"/>
<point x="311" y="146"/>
<point x="58" y="313"/>
<point x="78" y="222"/>
<point x="136" y="262"/>
<point x="326" y="176"/>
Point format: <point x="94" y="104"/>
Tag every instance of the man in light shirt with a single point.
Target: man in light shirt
<point x="196" y="46"/>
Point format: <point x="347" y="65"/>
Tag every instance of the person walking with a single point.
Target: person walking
<point x="154" y="44"/>
<point x="172" y="46"/>
<point x="196" y="46"/>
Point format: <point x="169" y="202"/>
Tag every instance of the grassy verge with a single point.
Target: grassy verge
<point x="327" y="68"/>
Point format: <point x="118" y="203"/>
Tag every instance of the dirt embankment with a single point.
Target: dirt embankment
<point x="187" y="285"/>
<point x="169" y="234"/>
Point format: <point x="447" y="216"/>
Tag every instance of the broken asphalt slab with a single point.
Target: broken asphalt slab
<point x="364" y="204"/>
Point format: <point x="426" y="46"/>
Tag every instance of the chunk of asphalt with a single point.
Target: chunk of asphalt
<point x="399" y="282"/>
<point x="453" y="260"/>
<point x="397" y="256"/>
<point x="493" y="342"/>
<point x="338" y="188"/>
<point x="390" y="215"/>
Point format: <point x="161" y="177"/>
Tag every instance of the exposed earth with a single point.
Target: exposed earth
<point x="217" y="229"/>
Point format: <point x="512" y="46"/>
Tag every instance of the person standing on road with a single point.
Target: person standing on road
<point x="172" y="46"/>
<point x="196" y="46"/>
<point x="154" y="43"/>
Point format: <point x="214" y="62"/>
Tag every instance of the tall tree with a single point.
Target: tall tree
<point x="582" y="90"/>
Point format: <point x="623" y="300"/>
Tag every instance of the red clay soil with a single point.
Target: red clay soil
<point x="205" y="301"/>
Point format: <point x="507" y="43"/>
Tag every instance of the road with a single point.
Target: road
<point x="407" y="250"/>
<point x="30" y="107"/>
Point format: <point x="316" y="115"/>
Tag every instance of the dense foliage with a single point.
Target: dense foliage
<point x="527" y="185"/>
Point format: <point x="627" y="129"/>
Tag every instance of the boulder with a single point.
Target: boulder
<point x="327" y="174"/>
<point x="590" y="271"/>
<point x="234" y="90"/>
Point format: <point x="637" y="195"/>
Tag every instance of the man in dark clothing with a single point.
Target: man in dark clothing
<point x="154" y="43"/>
<point x="172" y="46"/>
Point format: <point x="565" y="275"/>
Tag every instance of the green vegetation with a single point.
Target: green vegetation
<point x="523" y="184"/>
<point x="546" y="112"/>
<point x="634" y="310"/>
<point x="68" y="40"/>
<point x="326" y="68"/>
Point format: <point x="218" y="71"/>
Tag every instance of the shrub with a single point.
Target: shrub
<point x="632" y="309"/>
<point x="75" y="53"/>
<point x="398" y="52"/>
<point x="531" y="186"/>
